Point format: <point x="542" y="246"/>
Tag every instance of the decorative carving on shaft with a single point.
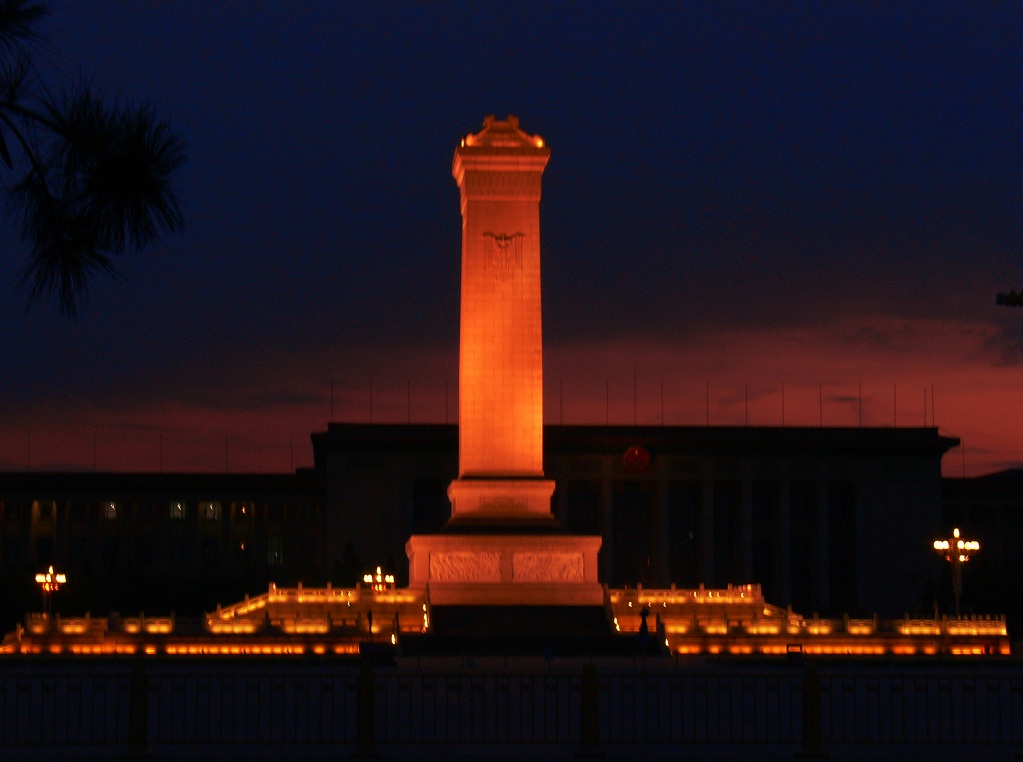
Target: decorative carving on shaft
<point x="464" y="566"/>
<point x="503" y="254"/>
<point x="503" y="504"/>
<point x="547" y="567"/>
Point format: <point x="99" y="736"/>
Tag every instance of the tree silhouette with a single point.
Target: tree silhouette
<point x="1010" y="299"/>
<point x="90" y="179"/>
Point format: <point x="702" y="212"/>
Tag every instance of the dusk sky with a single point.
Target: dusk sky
<point x="741" y="198"/>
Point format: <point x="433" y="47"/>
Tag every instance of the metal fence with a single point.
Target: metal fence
<point x="62" y="704"/>
<point x="954" y="705"/>
<point x="174" y="707"/>
<point x="460" y="709"/>
<point x="696" y="707"/>
<point x="229" y="704"/>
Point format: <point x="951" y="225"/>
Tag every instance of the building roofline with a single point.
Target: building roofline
<point x="694" y="440"/>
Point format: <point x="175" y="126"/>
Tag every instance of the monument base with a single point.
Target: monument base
<point x="497" y="499"/>
<point x="506" y="569"/>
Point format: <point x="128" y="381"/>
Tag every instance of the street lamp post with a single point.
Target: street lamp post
<point x="957" y="552"/>
<point x="50" y="583"/>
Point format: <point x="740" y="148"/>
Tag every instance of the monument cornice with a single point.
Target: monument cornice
<point x="498" y="161"/>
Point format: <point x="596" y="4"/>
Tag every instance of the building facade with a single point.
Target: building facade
<point x="988" y="509"/>
<point x="824" y="519"/>
<point x="828" y="519"/>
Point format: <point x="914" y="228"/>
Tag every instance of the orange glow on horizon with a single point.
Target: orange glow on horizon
<point x="976" y="396"/>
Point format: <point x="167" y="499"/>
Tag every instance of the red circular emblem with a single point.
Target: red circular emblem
<point x="637" y="460"/>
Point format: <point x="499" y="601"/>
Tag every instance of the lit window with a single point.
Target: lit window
<point x="275" y="551"/>
<point x="110" y="510"/>
<point x="177" y="510"/>
<point x="210" y="510"/>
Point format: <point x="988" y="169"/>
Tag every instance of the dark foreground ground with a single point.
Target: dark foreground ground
<point x="509" y="708"/>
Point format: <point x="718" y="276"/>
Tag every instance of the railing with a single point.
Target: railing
<point x="303" y="609"/>
<point x="711" y="708"/>
<point x="55" y="703"/>
<point x="233" y="708"/>
<point x="288" y="595"/>
<point x="270" y="704"/>
<point x="914" y="705"/>
<point x="461" y="708"/>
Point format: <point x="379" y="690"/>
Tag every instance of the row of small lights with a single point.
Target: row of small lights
<point x="955" y="548"/>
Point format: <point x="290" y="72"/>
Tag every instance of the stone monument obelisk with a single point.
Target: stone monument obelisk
<point x="502" y="545"/>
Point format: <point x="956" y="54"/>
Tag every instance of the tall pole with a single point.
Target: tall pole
<point x="957" y="585"/>
<point x="957" y="552"/>
<point x="635" y="394"/>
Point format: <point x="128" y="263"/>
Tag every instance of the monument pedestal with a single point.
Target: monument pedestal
<point x="506" y="569"/>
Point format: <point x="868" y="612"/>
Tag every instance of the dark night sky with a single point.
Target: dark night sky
<point x="740" y="195"/>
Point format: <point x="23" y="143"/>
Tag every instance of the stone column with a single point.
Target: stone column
<point x="745" y="527"/>
<point x="500" y="386"/>
<point x="500" y="371"/>
<point x="824" y="546"/>
<point x="784" y="549"/>
<point x="502" y="545"/>
<point x="660" y="533"/>
<point x="707" y="562"/>
<point x="607" y="526"/>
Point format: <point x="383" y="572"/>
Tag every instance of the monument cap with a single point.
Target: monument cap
<point x="502" y="133"/>
<point x="501" y="146"/>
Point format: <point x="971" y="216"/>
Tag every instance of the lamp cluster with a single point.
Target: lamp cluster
<point x="51" y="581"/>
<point x="956" y="549"/>
<point x="379" y="582"/>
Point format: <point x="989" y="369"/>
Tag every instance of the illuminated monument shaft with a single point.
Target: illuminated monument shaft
<point x="500" y="416"/>
<point x="501" y="360"/>
<point x="502" y="545"/>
